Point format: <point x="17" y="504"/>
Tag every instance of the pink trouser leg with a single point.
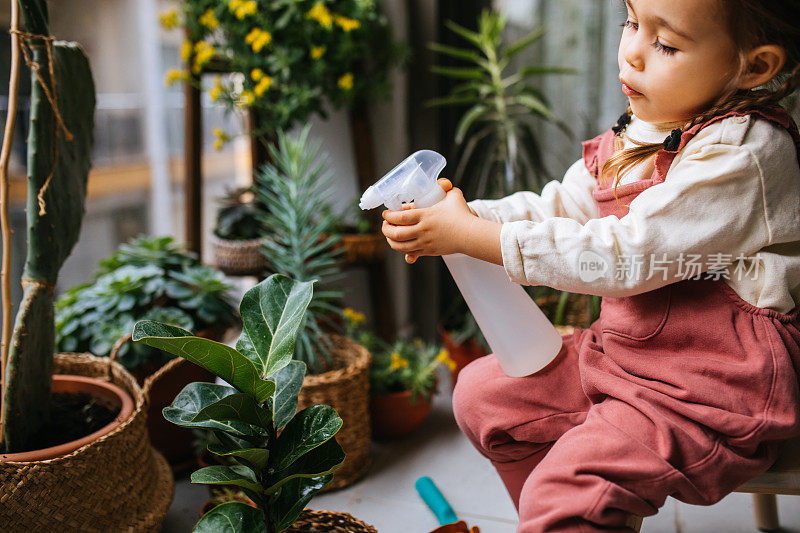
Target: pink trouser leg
<point x="514" y="473"/>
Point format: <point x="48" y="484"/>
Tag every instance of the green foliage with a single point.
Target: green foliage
<point x="302" y="235"/>
<point x="281" y="457"/>
<point x="498" y="150"/>
<point x="401" y="365"/>
<point x="51" y="233"/>
<point x="237" y="217"/>
<point x="302" y="52"/>
<point x="149" y="278"/>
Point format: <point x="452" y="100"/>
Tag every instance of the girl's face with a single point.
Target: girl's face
<point x="675" y="58"/>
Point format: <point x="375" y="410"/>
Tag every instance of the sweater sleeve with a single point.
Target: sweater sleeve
<point x="569" y="198"/>
<point x="712" y="202"/>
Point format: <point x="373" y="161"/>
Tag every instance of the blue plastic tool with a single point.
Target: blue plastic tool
<point x="432" y="496"/>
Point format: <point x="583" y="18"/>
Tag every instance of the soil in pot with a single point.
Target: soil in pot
<point x="81" y="410"/>
<point x="394" y="416"/>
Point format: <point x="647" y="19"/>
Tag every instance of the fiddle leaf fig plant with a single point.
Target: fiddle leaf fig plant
<point x="281" y="457"/>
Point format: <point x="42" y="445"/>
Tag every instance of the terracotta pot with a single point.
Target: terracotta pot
<point x="393" y="415"/>
<point x="106" y="393"/>
<point x="463" y="354"/>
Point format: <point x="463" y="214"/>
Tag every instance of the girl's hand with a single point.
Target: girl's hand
<point x="437" y="230"/>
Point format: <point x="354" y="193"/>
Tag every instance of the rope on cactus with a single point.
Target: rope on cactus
<point x="38" y="284"/>
<point x="50" y="93"/>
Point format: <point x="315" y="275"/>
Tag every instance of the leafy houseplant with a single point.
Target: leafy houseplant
<point x="283" y="457"/>
<point x="289" y="57"/>
<point x="238" y="233"/>
<point x="302" y="239"/>
<point x="149" y="278"/>
<point x="498" y="150"/>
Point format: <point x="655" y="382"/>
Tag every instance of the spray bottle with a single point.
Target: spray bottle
<point x="518" y="332"/>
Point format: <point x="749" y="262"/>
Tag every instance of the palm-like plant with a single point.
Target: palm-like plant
<point x="498" y="150"/>
<point x="294" y="191"/>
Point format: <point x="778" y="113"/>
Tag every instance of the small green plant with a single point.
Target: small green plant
<point x="238" y="216"/>
<point x="282" y="457"/>
<point x="149" y="278"/>
<point x="399" y="366"/>
<point x="498" y="150"/>
<point x="302" y="235"/>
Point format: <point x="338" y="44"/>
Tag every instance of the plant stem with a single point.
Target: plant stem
<point x="561" y="309"/>
<point x="5" y="155"/>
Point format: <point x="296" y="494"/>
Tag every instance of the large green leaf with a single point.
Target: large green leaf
<point x="292" y="499"/>
<point x="193" y="406"/>
<point x="311" y="427"/>
<point x="271" y="314"/>
<point x="232" y="517"/>
<point x="324" y="459"/>
<point x="236" y="407"/>
<point x="216" y="357"/>
<point x="241" y="476"/>
<point x="255" y="458"/>
<point x="288" y="382"/>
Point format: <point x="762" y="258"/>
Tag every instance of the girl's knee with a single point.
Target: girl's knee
<point x="471" y="391"/>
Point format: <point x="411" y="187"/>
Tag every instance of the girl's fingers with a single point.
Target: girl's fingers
<point x="407" y="247"/>
<point x="410" y="258"/>
<point x="398" y="233"/>
<point x="445" y="184"/>
<point x="407" y="217"/>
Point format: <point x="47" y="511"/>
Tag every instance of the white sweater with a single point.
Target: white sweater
<point x="732" y="195"/>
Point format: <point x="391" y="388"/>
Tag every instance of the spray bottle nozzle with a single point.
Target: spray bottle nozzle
<point x="412" y="180"/>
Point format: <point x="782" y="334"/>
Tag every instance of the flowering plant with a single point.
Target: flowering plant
<point x="287" y="56"/>
<point x="400" y="366"/>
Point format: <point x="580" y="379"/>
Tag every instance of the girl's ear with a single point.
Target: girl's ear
<point x="762" y="64"/>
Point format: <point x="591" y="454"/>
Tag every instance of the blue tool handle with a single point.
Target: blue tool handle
<point x="431" y="495"/>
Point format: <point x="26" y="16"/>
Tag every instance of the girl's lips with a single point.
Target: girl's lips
<point x="628" y="91"/>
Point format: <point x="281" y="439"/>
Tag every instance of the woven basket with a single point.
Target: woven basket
<point x="329" y="522"/>
<point x="363" y="248"/>
<point x="116" y="483"/>
<point x="345" y="387"/>
<point x="238" y="258"/>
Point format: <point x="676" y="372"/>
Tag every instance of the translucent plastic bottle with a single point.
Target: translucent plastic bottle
<point x="519" y="334"/>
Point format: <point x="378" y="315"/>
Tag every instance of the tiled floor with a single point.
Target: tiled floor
<point x="387" y="499"/>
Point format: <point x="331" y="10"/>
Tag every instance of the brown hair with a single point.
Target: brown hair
<point x="752" y="23"/>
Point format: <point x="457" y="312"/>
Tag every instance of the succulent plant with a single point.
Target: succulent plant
<point x="282" y="457"/>
<point x="238" y="216"/>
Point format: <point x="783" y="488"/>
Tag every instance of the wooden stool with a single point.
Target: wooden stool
<point x="782" y="478"/>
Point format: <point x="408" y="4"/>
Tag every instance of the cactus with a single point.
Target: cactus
<point x="52" y="235"/>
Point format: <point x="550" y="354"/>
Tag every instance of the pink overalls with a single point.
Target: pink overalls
<point x="683" y="391"/>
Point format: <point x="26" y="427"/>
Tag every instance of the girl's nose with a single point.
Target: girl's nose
<point x="634" y="54"/>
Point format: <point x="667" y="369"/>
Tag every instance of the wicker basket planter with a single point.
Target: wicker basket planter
<point x="238" y="258"/>
<point x="363" y="248"/>
<point x="115" y="483"/>
<point x="345" y="387"/>
<point x="329" y="522"/>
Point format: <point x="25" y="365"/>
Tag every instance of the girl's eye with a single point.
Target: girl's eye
<point x="668" y="50"/>
<point x="630" y="24"/>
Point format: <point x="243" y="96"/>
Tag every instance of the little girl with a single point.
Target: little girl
<point x="685" y="218"/>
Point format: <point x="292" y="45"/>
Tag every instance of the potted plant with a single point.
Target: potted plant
<point x="402" y="378"/>
<point x="361" y="244"/>
<point x="302" y="243"/>
<point x="147" y="278"/>
<point x="112" y="479"/>
<point x="283" y="456"/>
<point x="288" y="59"/>
<point x="237" y="236"/>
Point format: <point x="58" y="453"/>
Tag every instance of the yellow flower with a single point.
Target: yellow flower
<point x="321" y="14"/>
<point x="444" y="357"/>
<point x="398" y="361"/>
<point x="169" y="18"/>
<point x="317" y="52"/>
<point x="217" y="90"/>
<point x="175" y="75"/>
<point x="203" y="52"/>
<point x="258" y="39"/>
<point x="186" y="50"/>
<point x="256" y="74"/>
<point x="262" y="85"/>
<point x="242" y="8"/>
<point x="220" y="138"/>
<point x="246" y="98"/>
<point x="353" y="316"/>
<point x="347" y="24"/>
<point x="346" y="82"/>
<point x="209" y="20"/>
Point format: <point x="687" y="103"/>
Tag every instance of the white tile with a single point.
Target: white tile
<point x="734" y="514"/>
